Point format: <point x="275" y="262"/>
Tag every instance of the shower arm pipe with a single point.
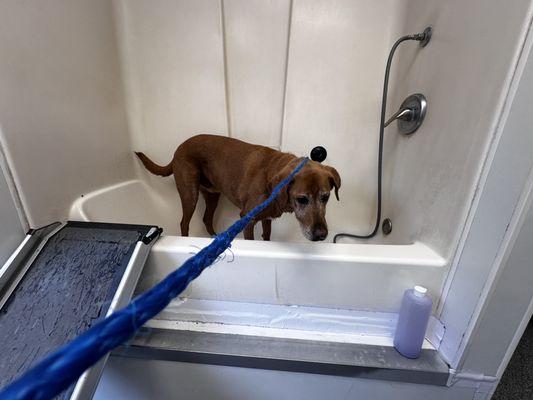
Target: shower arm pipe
<point x="423" y="38"/>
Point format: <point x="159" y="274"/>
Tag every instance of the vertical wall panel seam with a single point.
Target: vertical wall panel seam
<point x="283" y="102"/>
<point x="225" y="62"/>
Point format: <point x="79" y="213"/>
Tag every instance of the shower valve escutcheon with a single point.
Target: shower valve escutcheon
<point x="411" y="114"/>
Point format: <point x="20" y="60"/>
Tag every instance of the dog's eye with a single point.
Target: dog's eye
<point x="325" y="198"/>
<point x="302" y="200"/>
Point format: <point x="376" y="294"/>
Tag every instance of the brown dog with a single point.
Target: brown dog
<point x="246" y="174"/>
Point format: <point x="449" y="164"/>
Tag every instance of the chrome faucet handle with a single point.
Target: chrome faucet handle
<point x="405" y="114"/>
<point x="411" y="114"/>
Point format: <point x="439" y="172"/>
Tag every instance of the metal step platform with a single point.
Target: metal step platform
<point x="61" y="280"/>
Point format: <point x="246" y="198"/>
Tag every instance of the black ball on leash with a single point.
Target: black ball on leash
<point x="318" y="154"/>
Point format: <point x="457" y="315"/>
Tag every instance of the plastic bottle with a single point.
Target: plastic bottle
<point x="412" y="322"/>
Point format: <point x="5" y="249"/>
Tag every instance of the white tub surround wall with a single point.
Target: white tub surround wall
<point x="290" y="75"/>
<point x="337" y="55"/>
<point x="173" y="69"/>
<point x="464" y="73"/>
<point x="256" y="42"/>
<point x="61" y="103"/>
<point x="172" y="57"/>
<point x="297" y="74"/>
<point x="286" y="74"/>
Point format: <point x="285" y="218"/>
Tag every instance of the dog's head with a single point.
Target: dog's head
<point x="307" y="195"/>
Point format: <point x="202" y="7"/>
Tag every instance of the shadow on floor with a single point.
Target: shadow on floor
<point x="517" y="380"/>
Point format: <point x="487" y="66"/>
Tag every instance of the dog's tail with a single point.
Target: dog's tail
<point x="153" y="167"/>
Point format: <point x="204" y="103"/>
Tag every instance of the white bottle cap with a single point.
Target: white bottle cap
<point x="420" y="291"/>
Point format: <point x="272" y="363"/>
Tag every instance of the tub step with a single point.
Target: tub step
<point x="61" y="280"/>
<point x="286" y="338"/>
<point x="284" y="354"/>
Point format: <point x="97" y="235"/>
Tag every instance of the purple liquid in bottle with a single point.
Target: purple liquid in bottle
<point x="412" y="322"/>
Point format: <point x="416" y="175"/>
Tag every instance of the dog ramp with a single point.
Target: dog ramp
<point x="61" y="280"/>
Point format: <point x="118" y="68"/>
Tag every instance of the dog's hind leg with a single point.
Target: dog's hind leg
<point x="267" y="228"/>
<point x="187" y="179"/>
<point x="211" y="202"/>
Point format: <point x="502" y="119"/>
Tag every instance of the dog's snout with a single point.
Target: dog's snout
<point x="319" y="233"/>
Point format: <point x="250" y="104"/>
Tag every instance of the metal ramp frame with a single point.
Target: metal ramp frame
<point x="63" y="278"/>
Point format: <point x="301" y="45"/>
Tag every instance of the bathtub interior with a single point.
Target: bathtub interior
<point x="84" y="84"/>
<point x="136" y="201"/>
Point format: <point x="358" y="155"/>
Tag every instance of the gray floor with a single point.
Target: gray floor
<point x="517" y="381"/>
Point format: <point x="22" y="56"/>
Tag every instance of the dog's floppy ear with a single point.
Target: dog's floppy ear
<point x="282" y="200"/>
<point x="334" y="179"/>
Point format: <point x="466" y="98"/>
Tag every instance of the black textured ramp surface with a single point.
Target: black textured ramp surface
<point x="68" y="287"/>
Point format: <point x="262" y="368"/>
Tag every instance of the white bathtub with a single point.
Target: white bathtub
<point x="354" y="289"/>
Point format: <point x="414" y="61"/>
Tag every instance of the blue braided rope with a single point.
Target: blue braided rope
<point x="59" y="370"/>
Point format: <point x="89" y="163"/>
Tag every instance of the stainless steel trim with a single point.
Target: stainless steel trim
<point x="20" y="261"/>
<point x="10" y="265"/>
<point x="87" y="383"/>
<point x="307" y="356"/>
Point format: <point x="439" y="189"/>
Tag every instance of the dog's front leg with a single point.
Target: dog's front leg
<point x="249" y="231"/>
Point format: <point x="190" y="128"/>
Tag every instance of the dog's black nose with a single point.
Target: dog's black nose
<point x="320" y="233"/>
